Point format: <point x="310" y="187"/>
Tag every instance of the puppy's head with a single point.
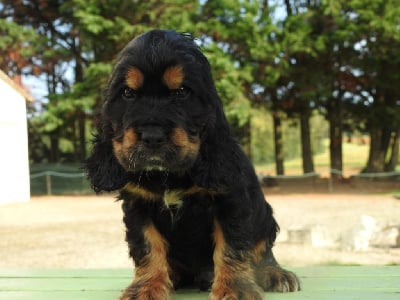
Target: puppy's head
<point x="160" y="104"/>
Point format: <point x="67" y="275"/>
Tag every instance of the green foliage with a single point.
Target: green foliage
<point x="337" y="58"/>
<point x="227" y="76"/>
<point x="17" y="46"/>
<point x="87" y="94"/>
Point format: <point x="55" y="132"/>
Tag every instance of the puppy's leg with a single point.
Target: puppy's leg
<point x="151" y="273"/>
<point x="149" y="250"/>
<point x="234" y="276"/>
<point x="269" y="275"/>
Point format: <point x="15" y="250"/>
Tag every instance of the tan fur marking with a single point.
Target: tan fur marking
<point x="180" y="138"/>
<point x="276" y="279"/>
<point x="151" y="278"/>
<point x="196" y="189"/>
<point x="128" y="140"/>
<point x="223" y="278"/>
<point x="157" y="258"/>
<point x="173" y="77"/>
<point x="230" y="274"/>
<point x="258" y="251"/>
<point x="121" y="149"/>
<point x="117" y="147"/>
<point x="219" y="245"/>
<point x="134" y="78"/>
<point x="175" y="197"/>
<point x="142" y="192"/>
<point x="130" y="137"/>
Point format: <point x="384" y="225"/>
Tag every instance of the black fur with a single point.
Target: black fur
<point x="216" y="181"/>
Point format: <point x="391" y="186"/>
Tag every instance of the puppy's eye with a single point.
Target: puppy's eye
<point x="129" y="94"/>
<point x="181" y="92"/>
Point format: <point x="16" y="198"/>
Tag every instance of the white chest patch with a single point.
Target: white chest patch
<point x="173" y="197"/>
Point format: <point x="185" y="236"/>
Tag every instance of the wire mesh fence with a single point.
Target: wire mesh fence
<point x="335" y="181"/>
<point x="62" y="179"/>
<point x="58" y="179"/>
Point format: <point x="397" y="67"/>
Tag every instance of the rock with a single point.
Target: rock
<point x="359" y="238"/>
<point x="386" y="238"/>
<point x="321" y="238"/>
<point x="370" y="224"/>
<point x="317" y="236"/>
<point x="299" y="235"/>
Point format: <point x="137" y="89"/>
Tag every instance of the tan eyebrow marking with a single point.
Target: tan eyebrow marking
<point x="173" y="77"/>
<point x="180" y="138"/>
<point x="134" y="78"/>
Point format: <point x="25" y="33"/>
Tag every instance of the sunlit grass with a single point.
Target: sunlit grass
<point x="355" y="155"/>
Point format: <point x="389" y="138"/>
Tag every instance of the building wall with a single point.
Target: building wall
<point x="14" y="159"/>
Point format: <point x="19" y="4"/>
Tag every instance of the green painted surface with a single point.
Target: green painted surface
<point x="321" y="283"/>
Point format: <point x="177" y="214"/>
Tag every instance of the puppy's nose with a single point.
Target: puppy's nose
<point x="153" y="136"/>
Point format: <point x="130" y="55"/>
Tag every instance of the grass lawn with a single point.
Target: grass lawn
<point x="355" y="157"/>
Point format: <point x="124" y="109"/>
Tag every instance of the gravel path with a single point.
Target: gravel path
<point x="87" y="231"/>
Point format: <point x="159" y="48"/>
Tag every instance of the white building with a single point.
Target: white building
<point x="14" y="160"/>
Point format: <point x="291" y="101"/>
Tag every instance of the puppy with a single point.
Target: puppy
<point x="193" y="208"/>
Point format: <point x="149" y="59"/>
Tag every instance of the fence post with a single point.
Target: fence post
<point x="48" y="183"/>
<point x="330" y="183"/>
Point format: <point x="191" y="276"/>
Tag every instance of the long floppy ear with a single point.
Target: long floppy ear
<point x="221" y="163"/>
<point x="102" y="167"/>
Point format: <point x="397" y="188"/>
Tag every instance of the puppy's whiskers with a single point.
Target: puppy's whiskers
<point x="140" y="178"/>
<point x="132" y="161"/>
<point x="165" y="177"/>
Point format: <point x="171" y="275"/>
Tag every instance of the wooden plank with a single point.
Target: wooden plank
<point x="322" y="283"/>
<point x="391" y="284"/>
<point x="351" y="283"/>
<point x="348" y="271"/>
<point x="62" y="284"/>
<point x="311" y="271"/>
<point x="64" y="295"/>
<point x="66" y="273"/>
<point x="108" y="295"/>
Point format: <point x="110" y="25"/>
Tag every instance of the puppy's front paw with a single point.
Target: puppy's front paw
<point x="276" y="279"/>
<point x="147" y="291"/>
<point x="239" y="290"/>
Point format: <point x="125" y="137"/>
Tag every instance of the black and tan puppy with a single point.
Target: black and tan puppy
<point x="193" y="208"/>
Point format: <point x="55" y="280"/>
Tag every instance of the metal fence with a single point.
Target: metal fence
<point x="58" y="179"/>
<point x="58" y="183"/>
<point x="69" y="179"/>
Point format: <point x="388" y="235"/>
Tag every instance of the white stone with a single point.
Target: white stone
<point x="299" y="235"/>
<point x="387" y="238"/>
<point x="358" y="238"/>
<point x="321" y="238"/>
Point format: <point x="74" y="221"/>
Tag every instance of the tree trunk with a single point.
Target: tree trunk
<point x="75" y="143"/>
<point x="288" y="8"/>
<point x="278" y="139"/>
<point x="55" y="134"/>
<point x="82" y="135"/>
<point x="390" y="166"/>
<point x="308" y="164"/>
<point x="80" y="114"/>
<point x="376" y="157"/>
<point x="335" y="135"/>
<point x="380" y="133"/>
<point x="54" y="147"/>
<point x="383" y="151"/>
<point x="335" y="145"/>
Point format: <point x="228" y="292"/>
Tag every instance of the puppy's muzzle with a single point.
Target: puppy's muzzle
<point x="153" y="137"/>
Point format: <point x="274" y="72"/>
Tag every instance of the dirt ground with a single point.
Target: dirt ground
<point x="87" y="231"/>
